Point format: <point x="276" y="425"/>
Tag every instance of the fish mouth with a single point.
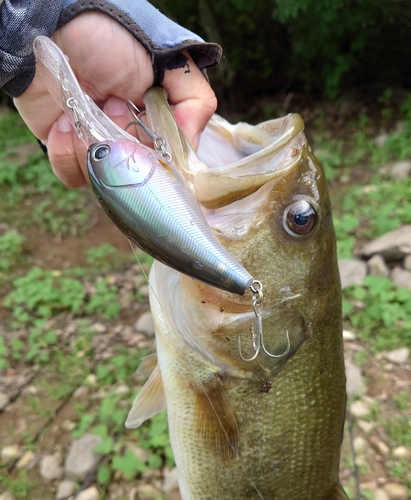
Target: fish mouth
<point x="275" y="148"/>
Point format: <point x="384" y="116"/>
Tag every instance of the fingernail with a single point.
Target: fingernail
<point x="63" y="124"/>
<point x="116" y="107"/>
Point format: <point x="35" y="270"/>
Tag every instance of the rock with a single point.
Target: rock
<point x="407" y="263"/>
<point x="380" y="140"/>
<point x="396" y="491"/>
<point x="65" y="489"/>
<point x="352" y="272"/>
<point x="377" y="266"/>
<point x="365" y="426"/>
<point x="26" y="460"/>
<point x="381" y="495"/>
<point x="91" y="380"/>
<point x="401" y="277"/>
<point x="170" y="482"/>
<point x="147" y="492"/>
<point x="10" y="453"/>
<point x="394" y="245"/>
<point x="121" y="389"/>
<point x="145" y="324"/>
<point x="380" y="446"/>
<point x="88" y="494"/>
<point x="4" y="400"/>
<point x="359" y="409"/>
<point x="139" y="452"/>
<point x="402" y="452"/>
<point x="400" y="169"/>
<point x="398" y="356"/>
<point x="144" y="290"/>
<point x="7" y="495"/>
<point x="50" y="467"/>
<point x="348" y="336"/>
<point x="355" y="382"/>
<point x="81" y="458"/>
<point x="360" y="445"/>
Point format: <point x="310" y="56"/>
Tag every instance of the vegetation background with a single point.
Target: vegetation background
<point x="71" y="292"/>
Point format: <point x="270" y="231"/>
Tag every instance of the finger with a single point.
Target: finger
<point x="38" y="108"/>
<point x="193" y="99"/>
<point x="67" y="154"/>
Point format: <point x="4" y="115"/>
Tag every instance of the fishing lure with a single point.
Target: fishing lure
<point x="138" y="187"/>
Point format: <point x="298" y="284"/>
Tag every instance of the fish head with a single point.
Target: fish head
<point x="271" y="210"/>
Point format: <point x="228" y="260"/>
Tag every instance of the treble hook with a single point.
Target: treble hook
<point x="158" y="141"/>
<point x="258" y="337"/>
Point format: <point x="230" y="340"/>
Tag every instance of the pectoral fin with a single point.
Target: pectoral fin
<point x="216" y="419"/>
<point x="147" y="365"/>
<point x="149" y="402"/>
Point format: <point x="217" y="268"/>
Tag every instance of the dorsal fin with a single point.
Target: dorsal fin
<point x="150" y="401"/>
<point x="217" y="421"/>
<point x="147" y="365"/>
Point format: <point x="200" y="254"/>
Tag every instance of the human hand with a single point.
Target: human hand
<point x="111" y="66"/>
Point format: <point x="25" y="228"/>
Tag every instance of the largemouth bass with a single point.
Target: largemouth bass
<point x="255" y="390"/>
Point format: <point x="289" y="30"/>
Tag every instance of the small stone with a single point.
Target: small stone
<point x="10" y="453"/>
<point x="394" y="245"/>
<point x="355" y="382"/>
<point x="100" y="327"/>
<point x="50" y="467"/>
<point x="380" y="140"/>
<point x="400" y="169"/>
<point x="7" y="495"/>
<point x="88" y="494"/>
<point x="352" y="272"/>
<point x="402" y="452"/>
<point x="65" y="489"/>
<point x="68" y="425"/>
<point x="349" y="336"/>
<point x="91" y="380"/>
<point x="381" y="495"/>
<point x="360" y="445"/>
<point x="380" y="446"/>
<point x="396" y="491"/>
<point x="147" y="492"/>
<point x="82" y="458"/>
<point x="139" y="452"/>
<point x="170" y="482"/>
<point x="121" y="389"/>
<point x="26" y="460"/>
<point x="4" y="400"/>
<point x="407" y="263"/>
<point x="398" y="356"/>
<point x="145" y="324"/>
<point x="359" y="409"/>
<point x="401" y="277"/>
<point x="81" y="391"/>
<point x="377" y="266"/>
<point x="365" y="426"/>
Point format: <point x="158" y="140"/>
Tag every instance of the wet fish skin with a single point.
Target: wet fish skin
<point x="271" y="428"/>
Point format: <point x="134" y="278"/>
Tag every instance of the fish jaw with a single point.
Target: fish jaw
<point x="288" y="413"/>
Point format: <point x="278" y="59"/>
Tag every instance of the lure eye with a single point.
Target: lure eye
<point x="101" y="152"/>
<point x="299" y="218"/>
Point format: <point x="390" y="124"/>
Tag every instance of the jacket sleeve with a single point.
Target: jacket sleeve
<point x="22" y="20"/>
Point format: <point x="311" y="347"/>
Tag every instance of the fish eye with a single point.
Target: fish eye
<point x="101" y="152"/>
<point x="299" y="218"/>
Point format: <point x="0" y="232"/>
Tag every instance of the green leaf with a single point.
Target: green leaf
<point x="128" y="464"/>
<point x="103" y="475"/>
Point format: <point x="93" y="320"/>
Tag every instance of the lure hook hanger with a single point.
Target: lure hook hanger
<point x="158" y="141"/>
<point x="258" y="336"/>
